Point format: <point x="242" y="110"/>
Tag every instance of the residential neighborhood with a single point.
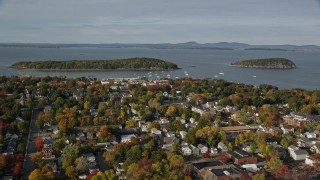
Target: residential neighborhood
<point x="85" y="128"/>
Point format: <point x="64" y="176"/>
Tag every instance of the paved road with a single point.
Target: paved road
<point x="31" y="148"/>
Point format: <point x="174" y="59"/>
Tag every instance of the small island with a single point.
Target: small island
<point x="116" y="64"/>
<point x="268" y="63"/>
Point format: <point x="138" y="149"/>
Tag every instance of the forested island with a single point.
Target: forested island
<point x="272" y="63"/>
<point x="116" y="64"/>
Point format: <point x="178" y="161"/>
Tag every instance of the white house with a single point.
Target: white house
<point x="287" y="129"/>
<point x="222" y="147"/>
<point x="203" y="148"/>
<point x="155" y="131"/>
<point x="192" y="120"/>
<point x="310" y="135"/>
<point x="299" y="154"/>
<point x="213" y="150"/>
<point x="292" y="148"/>
<point x="186" y="151"/>
<point x="127" y="138"/>
<point x="309" y="161"/>
<point x="315" y="148"/>
<point x="183" y="134"/>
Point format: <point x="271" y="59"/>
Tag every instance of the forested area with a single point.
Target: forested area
<point x="266" y="63"/>
<point x="120" y="64"/>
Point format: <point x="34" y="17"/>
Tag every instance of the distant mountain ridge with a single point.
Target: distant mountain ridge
<point x="185" y="45"/>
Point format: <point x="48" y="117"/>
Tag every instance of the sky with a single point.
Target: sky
<point x="256" y="22"/>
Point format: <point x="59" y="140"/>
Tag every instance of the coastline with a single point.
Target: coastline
<point x="262" y="67"/>
<point x="32" y="69"/>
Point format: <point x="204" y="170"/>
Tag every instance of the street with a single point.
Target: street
<point x="28" y="166"/>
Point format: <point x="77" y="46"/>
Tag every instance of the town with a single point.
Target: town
<point x="84" y="128"/>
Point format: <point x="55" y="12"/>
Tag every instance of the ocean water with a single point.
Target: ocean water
<point x="194" y="63"/>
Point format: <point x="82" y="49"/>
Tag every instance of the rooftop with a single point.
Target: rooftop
<point x="225" y="171"/>
<point x="201" y="165"/>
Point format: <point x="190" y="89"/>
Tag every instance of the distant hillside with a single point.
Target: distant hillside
<point x="272" y="63"/>
<point x="117" y="64"/>
<point x="186" y="45"/>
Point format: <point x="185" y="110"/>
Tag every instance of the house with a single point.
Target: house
<point x="192" y="120"/>
<point x="183" y="134"/>
<point x="203" y="148"/>
<point x="245" y="147"/>
<point x="127" y="138"/>
<point x="307" y="142"/>
<point x="213" y="151"/>
<point x="167" y="147"/>
<point x="155" y="131"/>
<point x="164" y="121"/>
<point x="251" y="167"/>
<point x="89" y="156"/>
<point x="82" y="176"/>
<point x="47" y="109"/>
<point x="48" y="153"/>
<point x="286" y="129"/>
<point x="310" y="135"/>
<point x="222" y="147"/>
<point x="309" y="161"/>
<point x="315" y="148"/>
<point x="223" y="173"/>
<point x="214" y="170"/>
<point x="239" y="156"/>
<point x="274" y="131"/>
<point x="195" y="150"/>
<point x="170" y="134"/>
<point x="299" y="154"/>
<point x="170" y="140"/>
<point x="186" y="151"/>
<point x="292" y="148"/>
<point x="295" y="119"/>
<point x="93" y="167"/>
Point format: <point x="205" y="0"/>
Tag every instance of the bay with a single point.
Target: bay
<point x="195" y="63"/>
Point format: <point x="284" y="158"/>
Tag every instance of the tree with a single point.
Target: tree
<point x="21" y="148"/>
<point x="3" y="161"/>
<point x="36" y="175"/>
<point x="104" y="132"/>
<point x="284" y="142"/>
<point x="176" y="162"/>
<point x="82" y="165"/>
<point x="23" y="127"/>
<point x="252" y="148"/>
<point x="39" y="143"/>
<point x="131" y="124"/>
<point x="191" y="136"/>
<point x="133" y="155"/>
<point x="259" y="176"/>
<point x="274" y="161"/>
<point x="71" y="172"/>
<point x="37" y="159"/>
<point x="17" y="169"/>
<point x="111" y="175"/>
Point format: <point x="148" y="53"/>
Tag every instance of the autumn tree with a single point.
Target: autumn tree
<point x="39" y="143"/>
<point x="104" y="132"/>
<point x="71" y="173"/>
<point x="36" y="175"/>
<point x="3" y="161"/>
<point x="37" y="159"/>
